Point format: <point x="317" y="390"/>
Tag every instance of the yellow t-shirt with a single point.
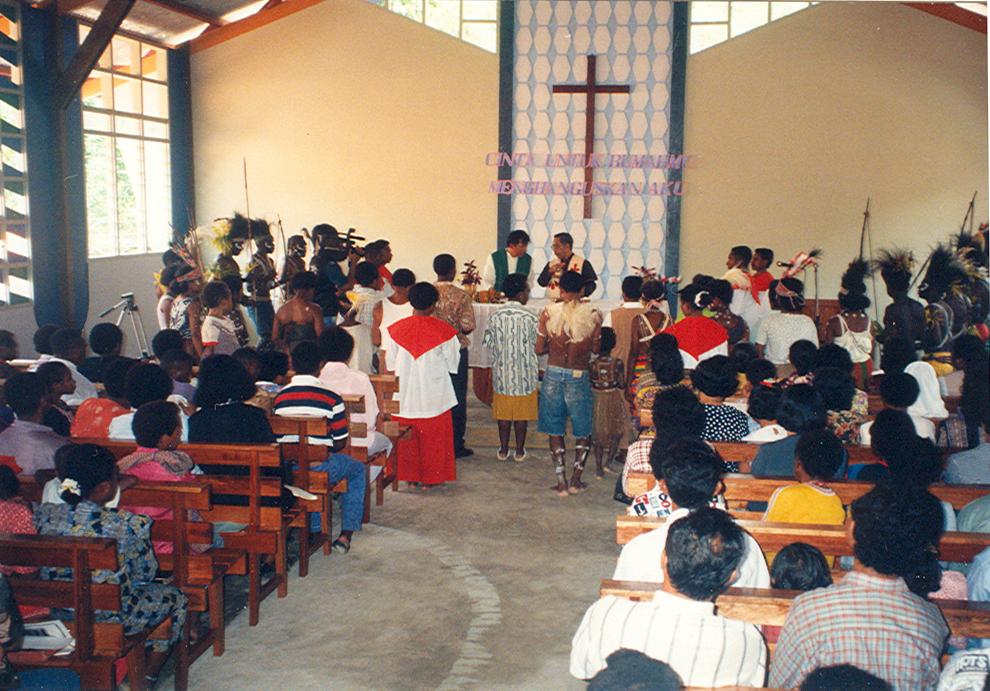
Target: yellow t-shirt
<point x="810" y="502"/>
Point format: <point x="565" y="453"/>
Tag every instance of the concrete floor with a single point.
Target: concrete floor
<point x="480" y="584"/>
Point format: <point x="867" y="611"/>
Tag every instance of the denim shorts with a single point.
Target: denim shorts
<point x="565" y="393"/>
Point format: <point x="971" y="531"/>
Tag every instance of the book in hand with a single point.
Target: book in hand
<point x="48" y="635"/>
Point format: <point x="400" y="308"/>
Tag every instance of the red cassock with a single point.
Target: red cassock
<point x="426" y="351"/>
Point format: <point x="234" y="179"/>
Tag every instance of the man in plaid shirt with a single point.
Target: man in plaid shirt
<point x="875" y="618"/>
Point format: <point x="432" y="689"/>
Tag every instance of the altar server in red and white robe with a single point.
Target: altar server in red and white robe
<point x="698" y="337"/>
<point x="424" y="352"/>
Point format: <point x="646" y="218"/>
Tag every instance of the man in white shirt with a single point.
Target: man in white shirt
<point x="692" y="474"/>
<point x="512" y="260"/>
<point x="69" y="348"/>
<point x="425" y="351"/>
<point x="336" y="346"/>
<point x="679" y="625"/>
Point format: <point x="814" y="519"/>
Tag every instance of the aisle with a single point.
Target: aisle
<point x="477" y="585"/>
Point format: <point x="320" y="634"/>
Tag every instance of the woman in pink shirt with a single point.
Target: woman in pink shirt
<point x="157" y="429"/>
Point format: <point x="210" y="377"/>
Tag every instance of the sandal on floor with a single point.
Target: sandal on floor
<point x="502" y="456"/>
<point x="519" y="459"/>
<point x="342" y="546"/>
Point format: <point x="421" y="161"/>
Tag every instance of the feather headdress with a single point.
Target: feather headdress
<point x="854" y="279"/>
<point x="971" y="247"/>
<point x="801" y="261"/>
<point x="946" y="273"/>
<point x="895" y="266"/>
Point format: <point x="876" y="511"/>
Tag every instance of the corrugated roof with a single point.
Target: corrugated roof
<point x="164" y="21"/>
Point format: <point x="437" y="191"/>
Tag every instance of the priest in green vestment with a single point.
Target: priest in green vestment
<point x="511" y="260"/>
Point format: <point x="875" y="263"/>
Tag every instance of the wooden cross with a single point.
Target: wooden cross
<point x="590" y="88"/>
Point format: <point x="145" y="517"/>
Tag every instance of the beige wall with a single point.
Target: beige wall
<point x="797" y="123"/>
<point x="352" y="115"/>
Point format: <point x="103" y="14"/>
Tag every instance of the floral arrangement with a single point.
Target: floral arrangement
<point x="470" y="276"/>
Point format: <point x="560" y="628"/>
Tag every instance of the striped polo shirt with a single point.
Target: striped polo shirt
<point x="306" y="396"/>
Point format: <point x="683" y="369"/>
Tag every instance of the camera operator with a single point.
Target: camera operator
<point x="328" y="251"/>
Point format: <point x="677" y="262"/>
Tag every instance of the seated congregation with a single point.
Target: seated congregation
<point x="760" y="455"/>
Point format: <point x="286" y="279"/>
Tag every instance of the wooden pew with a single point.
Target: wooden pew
<point x="741" y="488"/>
<point x="386" y="462"/>
<point x="198" y="574"/>
<point x="266" y="527"/>
<point x="386" y="386"/>
<point x="98" y="645"/>
<point x="830" y="539"/>
<point x="303" y="455"/>
<point x="768" y="607"/>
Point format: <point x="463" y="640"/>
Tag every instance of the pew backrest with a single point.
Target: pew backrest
<point x="83" y="555"/>
<point x="830" y="539"/>
<point x="769" y="607"/>
<point x="741" y="488"/>
<point x="254" y="486"/>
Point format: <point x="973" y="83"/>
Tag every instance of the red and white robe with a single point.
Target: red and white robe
<point x="424" y="352"/>
<point x="698" y="339"/>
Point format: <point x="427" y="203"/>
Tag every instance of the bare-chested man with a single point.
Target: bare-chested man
<point x="299" y="319"/>
<point x="569" y="331"/>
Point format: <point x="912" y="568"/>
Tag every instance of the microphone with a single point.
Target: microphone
<point x="785" y="265"/>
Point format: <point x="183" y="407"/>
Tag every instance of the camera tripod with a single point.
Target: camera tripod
<point x="128" y="308"/>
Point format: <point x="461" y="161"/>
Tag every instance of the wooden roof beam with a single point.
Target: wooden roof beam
<point x="270" y="13"/>
<point x="92" y="48"/>
<point x="953" y="13"/>
<point x="66" y="6"/>
<point x="187" y="11"/>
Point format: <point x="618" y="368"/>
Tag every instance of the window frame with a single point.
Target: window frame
<point x="461" y="21"/>
<point x="23" y="222"/>
<point x="115" y="116"/>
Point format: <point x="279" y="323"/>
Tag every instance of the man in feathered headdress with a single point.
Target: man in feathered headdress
<point x="569" y="332"/>
<point x="260" y="282"/>
<point x="947" y="315"/>
<point x="905" y="316"/>
<point x="972" y="249"/>
<point x="230" y="236"/>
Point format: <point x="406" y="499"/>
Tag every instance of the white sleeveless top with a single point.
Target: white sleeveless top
<point x="859" y="344"/>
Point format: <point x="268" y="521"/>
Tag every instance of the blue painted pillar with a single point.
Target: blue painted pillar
<point x="678" y="80"/>
<point x="506" y="72"/>
<point x="181" y="141"/>
<point x="56" y="187"/>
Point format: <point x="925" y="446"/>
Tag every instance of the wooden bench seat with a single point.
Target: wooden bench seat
<point x="266" y="527"/>
<point x="97" y="645"/>
<point x="830" y="539"/>
<point x="769" y="607"/>
<point x="741" y="488"/>
<point x="197" y="568"/>
<point x="304" y="454"/>
<point x="386" y="387"/>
